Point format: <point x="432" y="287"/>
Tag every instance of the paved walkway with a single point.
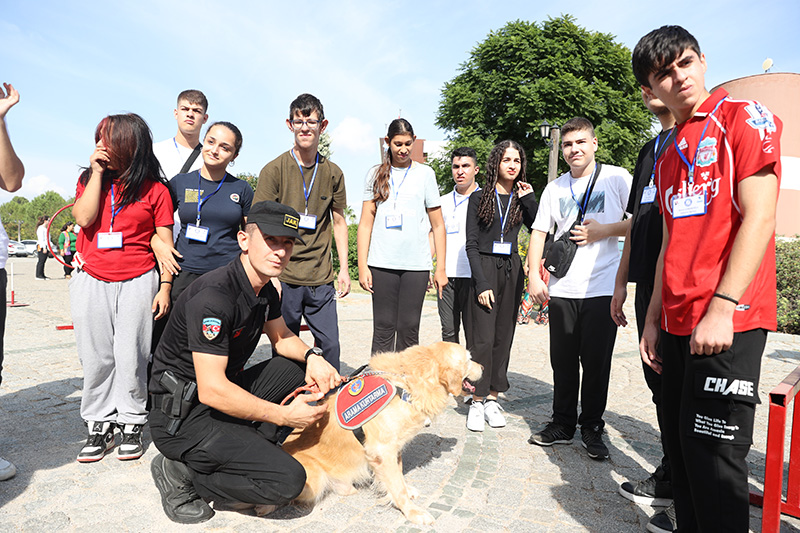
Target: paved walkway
<point x="494" y="481"/>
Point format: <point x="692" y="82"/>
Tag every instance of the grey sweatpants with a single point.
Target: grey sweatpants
<point x="113" y="331"/>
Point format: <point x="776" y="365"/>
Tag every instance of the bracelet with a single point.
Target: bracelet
<point x="163" y="282"/>
<point x="726" y="297"/>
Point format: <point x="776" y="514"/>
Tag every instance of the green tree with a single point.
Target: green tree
<point x="15" y="217"/>
<point x="250" y="178"/>
<point x="325" y="145"/>
<point x="526" y="72"/>
<point x="47" y="203"/>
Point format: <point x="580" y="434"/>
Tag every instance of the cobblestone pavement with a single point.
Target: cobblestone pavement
<point x="482" y="482"/>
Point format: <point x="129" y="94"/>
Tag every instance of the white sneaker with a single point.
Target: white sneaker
<point x="475" y="417"/>
<point x="494" y="414"/>
<point x="7" y="470"/>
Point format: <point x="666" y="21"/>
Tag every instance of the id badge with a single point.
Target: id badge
<point x="197" y="233"/>
<point x="111" y="239"/>
<point x="451" y="225"/>
<point x="394" y="221"/>
<point x="689" y="206"/>
<point x="649" y="194"/>
<point x="308" y="222"/>
<point x="501" y="248"/>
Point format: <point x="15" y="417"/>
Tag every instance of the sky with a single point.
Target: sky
<point x="368" y="62"/>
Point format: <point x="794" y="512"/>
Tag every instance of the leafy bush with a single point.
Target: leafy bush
<point x="787" y="259"/>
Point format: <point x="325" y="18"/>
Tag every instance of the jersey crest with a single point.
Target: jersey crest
<point x="707" y="152"/>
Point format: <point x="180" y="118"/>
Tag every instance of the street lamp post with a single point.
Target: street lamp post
<point x="551" y="133"/>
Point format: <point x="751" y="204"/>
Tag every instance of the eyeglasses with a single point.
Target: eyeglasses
<point x="312" y="124"/>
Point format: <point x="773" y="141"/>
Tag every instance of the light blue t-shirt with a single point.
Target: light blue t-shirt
<point x="405" y="247"/>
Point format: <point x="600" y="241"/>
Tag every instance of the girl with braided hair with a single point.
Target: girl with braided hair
<point x="494" y="217"/>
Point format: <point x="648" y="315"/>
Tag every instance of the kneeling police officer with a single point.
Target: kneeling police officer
<point x="217" y="424"/>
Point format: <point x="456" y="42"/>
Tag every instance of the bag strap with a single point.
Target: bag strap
<point x="191" y="159"/>
<point x="588" y="195"/>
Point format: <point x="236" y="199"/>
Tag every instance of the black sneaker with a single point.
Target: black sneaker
<point x="131" y="447"/>
<point x="663" y="522"/>
<point x="592" y="438"/>
<point x="178" y="497"/>
<point x="100" y="441"/>
<point x="553" y="433"/>
<point x="650" y="491"/>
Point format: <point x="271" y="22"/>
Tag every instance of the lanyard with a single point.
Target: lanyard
<point x="656" y="154"/>
<point x="307" y="192"/>
<point x="201" y="201"/>
<point x="456" y="204"/>
<point x="585" y="195"/>
<point x="697" y="150"/>
<point x="113" y="212"/>
<point x="397" y="189"/>
<point x="503" y="217"/>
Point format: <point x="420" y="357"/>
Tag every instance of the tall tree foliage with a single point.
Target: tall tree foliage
<point x="526" y="72"/>
<point x="19" y="215"/>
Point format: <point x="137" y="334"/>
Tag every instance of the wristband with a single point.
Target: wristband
<point x="313" y="351"/>
<point x="726" y="297"/>
<point x="163" y="282"/>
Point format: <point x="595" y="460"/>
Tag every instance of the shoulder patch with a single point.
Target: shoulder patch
<point x="760" y="117"/>
<point x="211" y="327"/>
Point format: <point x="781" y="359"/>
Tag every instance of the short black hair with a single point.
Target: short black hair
<point x="659" y="48"/>
<point x="193" y="96"/>
<point x="306" y="104"/>
<point x="464" y="151"/>
<point x="577" y="124"/>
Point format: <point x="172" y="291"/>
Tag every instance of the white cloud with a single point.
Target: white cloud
<point x="33" y="186"/>
<point x="354" y="135"/>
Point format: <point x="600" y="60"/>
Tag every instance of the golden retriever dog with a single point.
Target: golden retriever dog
<point x="335" y="459"/>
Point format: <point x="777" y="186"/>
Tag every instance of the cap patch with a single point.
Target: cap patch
<point x="290" y="221"/>
<point x="211" y="327"/>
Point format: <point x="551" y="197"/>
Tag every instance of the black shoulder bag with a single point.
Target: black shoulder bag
<point x="562" y="251"/>
<point x="191" y="159"/>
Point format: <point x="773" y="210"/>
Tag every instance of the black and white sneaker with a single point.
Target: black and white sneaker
<point x="131" y="447"/>
<point x="663" y="522"/>
<point x="100" y="441"/>
<point x="650" y="491"/>
<point x="553" y="433"/>
<point x="592" y="438"/>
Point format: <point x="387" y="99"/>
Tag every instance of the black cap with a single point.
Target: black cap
<point x="275" y="219"/>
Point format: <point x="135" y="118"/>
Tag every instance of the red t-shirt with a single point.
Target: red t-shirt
<point x="137" y="222"/>
<point x="742" y="138"/>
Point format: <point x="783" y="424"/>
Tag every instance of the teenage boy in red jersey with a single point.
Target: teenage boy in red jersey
<point x="714" y="292"/>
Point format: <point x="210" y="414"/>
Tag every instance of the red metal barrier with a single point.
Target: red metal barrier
<point x="772" y="500"/>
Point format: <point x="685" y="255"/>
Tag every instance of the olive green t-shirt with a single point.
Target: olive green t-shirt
<point x="281" y="181"/>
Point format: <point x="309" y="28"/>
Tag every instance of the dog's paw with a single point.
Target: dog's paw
<point x="344" y="489"/>
<point x="412" y="492"/>
<point x="418" y="516"/>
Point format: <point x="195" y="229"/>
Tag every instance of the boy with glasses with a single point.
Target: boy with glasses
<point x="307" y="181"/>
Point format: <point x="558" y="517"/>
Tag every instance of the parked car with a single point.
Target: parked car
<point x="30" y="246"/>
<point x="17" y="249"/>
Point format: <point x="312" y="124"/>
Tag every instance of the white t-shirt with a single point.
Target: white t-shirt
<point x="454" y="212"/>
<point x="594" y="267"/>
<point x="3" y="246"/>
<point x="172" y="156"/>
<point x="405" y="247"/>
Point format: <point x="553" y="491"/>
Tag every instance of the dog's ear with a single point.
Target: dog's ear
<point x="452" y="379"/>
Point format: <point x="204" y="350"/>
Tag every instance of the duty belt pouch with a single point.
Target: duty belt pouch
<point x="562" y="251"/>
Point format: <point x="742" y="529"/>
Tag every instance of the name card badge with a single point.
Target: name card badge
<point x="308" y="221"/>
<point x="111" y="239"/>
<point x="197" y="233"/>
<point x="451" y="225"/>
<point x="394" y="221"/>
<point x="689" y="206"/>
<point x="501" y="248"/>
<point x="649" y="194"/>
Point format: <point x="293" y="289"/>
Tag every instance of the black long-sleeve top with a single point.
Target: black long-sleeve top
<point x="481" y="239"/>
